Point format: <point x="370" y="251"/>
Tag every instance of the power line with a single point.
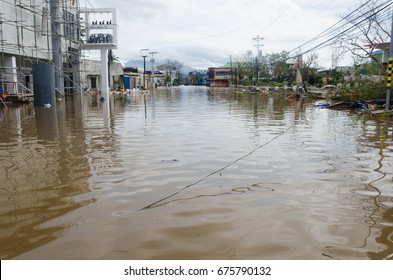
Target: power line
<point x="236" y="30"/>
<point x="323" y="33"/>
<point x="160" y="202"/>
<point x="379" y="11"/>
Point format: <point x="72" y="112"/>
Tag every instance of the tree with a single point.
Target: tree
<point x="372" y="28"/>
<point x="338" y="51"/>
<point x="170" y="66"/>
<point x="173" y="64"/>
<point x="244" y="67"/>
<point x="277" y="65"/>
<point x="310" y="63"/>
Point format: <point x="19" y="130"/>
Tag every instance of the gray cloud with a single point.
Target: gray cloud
<point x="205" y="33"/>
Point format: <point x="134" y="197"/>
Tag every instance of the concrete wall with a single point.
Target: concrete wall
<point x="91" y="69"/>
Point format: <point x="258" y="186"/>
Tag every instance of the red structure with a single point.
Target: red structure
<point x="220" y="77"/>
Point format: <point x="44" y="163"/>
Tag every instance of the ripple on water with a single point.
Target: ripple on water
<point x="196" y="173"/>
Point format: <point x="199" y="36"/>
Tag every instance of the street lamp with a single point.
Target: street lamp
<point x="144" y="55"/>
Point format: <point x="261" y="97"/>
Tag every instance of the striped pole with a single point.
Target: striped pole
<point x="389" y="84"/>
<point x="389" y="79"/>
<point x="387" y="103"/>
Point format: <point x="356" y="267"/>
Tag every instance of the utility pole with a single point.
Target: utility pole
<point x="258" y="45"/>
<point x="299" y="75"/>
<point x="143" y="54"/>
<point x="389" y="83"/>
<point x="152" y="60"/>
<point x="152" y="66"/>
<point x="230" y="58"/>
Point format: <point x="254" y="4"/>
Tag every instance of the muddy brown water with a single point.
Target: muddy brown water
<point x="194" y="173"/>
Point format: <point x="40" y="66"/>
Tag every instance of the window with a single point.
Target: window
<point x="69" y="25"/>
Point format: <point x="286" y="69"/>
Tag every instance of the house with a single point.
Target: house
<point x="326" y="75"/>
<point x="169" y="74"/>
<point x="197" y="78"/>
<point x="132" y="77"/>
<point x="383" y="52"/>
<point x="220" y="77"/>
<point x="158" y="77"/>
<point x="91" y="74"/>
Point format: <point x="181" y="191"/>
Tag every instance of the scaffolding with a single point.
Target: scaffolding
<point x="33" y="31"/>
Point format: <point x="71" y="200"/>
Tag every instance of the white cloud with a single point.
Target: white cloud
<point x="203" y="33"/>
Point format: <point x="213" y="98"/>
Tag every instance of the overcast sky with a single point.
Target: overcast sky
<point x="204" y="33"/>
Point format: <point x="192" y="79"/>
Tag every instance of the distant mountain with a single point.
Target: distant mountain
<point x="187" y="69"/>
<point x="139" y="64"/>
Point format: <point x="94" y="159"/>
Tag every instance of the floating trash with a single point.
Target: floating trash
<point x="322" y="104"/>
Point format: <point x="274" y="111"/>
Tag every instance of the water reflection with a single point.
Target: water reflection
<point x="374" y="196"/>
<point x="382" y="224"/>
<point x="42" y="167"/>
<point x="195" y="173"/>
<point x="46" y="123"/>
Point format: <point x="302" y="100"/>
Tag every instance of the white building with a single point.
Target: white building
<point x="33" y="31"/>
<point x="53" y="32"/>
<point x="99" y="34"/>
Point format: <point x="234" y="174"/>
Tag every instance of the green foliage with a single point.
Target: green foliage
<point x="338" y="77"/>
<point x="168" y="80"/>
<point x="269" y="65"/>
<point x="366" y="90"/>
<point x="313" y="78"/>
<point x="373" y="68"/>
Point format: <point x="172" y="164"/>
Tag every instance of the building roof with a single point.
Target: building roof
<point x="382" y="46"/>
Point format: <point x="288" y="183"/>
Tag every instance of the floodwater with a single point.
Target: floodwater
<point x="194" y="173"/>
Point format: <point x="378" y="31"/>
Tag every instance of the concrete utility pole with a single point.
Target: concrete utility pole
<point x="152" y="60"/>
<point x="299" y="75"/>
<point x="152" y="66"/>
<point x="258" y="58"/>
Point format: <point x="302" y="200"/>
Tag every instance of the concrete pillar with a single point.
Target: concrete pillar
<point x="104" y="74"/>
<point x="56" y="45"/>
<point x="11" y="75"/>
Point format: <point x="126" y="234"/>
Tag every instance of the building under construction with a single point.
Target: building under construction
<point x="51" y="32"/>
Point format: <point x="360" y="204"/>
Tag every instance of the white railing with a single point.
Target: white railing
<point x="16" y="88"/>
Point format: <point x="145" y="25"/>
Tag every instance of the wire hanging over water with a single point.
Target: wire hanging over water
<point x="154" y="204"/>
